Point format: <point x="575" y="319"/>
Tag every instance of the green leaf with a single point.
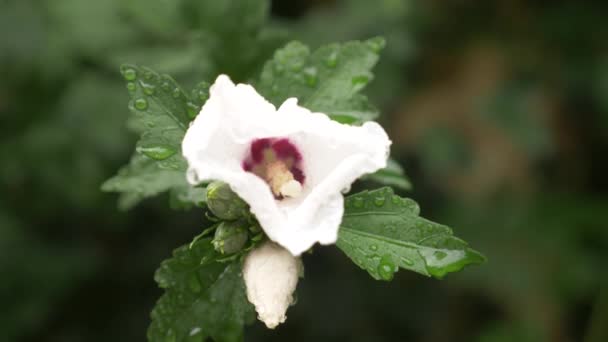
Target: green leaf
<point x="328" y="80"/>
<point x="141" y="179"/>
<point x="161" y="109"/>
<point x="161" y="114"/>
<point x="381" y="232"/>
<point x="392" y="175"/>
<point x="203" y="298"/>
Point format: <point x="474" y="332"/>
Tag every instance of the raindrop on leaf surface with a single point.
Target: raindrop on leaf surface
<point x="386" y="268"/>
<point x="141" y="104"/>
<point x="129" y="74"/>
<point x="157" y="152"/>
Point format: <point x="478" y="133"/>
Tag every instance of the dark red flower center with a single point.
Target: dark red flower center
<point x="279" y="163"/>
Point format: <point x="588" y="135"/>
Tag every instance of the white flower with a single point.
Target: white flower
<point x="271" y="275"/>
<point x="289" y="165"/>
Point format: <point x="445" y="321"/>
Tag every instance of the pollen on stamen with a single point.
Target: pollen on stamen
<point x="278" y="162"/>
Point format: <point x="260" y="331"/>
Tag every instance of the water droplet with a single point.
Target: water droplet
<point x="157" y="152"/>
<point x="358" y="202"/>
<point x="192" y="110"/>
<point x="407" y="261"/>
<point x="166" y="86"/>
<point x="332" y="59"/>
<point x="141" y="104"/>
<point x="129" y="74"/>
<point x="310" y="75"/>
<point x="148" y="75"/>
<point x="131" y="86"/>
<point x="195" y="331"/>
<point x="396" y="199"/>
<point x="379" y="201"/>
<point x="439" y="255"/>
<point x="377" y="44"/>
<point x="148" y="88"/>
<point x="177" y="93"/>
<point x="387" y="268"/>
<point x="373" y="247"/>
<point x="360" y="81"/>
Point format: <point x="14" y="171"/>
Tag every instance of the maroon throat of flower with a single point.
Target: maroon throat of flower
<point x="278" y="162"/>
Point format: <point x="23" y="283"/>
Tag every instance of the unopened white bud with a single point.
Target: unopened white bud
<point x="271" y="276"/>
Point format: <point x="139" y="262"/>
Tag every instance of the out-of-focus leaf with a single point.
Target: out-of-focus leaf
<point x="327" y="81"/>
<point x="392" y="175"/>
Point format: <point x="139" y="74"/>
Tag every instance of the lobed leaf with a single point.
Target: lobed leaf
<point x="161" y="114"/>
<point x="203" y="297"/>
<point x="328" y="80"/>
<point x="382" y="232"/>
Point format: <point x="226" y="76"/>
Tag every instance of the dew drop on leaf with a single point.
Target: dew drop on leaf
<point x="176" y="93"/>
<point x="129" y="74"/>
<point x="376" y="44"/>
<point x="166" y="86"/>
<point x="379" y="201"/>
<point x="192" y="110"/>
<point x="148" y="88"/>
<point x="131" y="86"/>
<point x="386" y="268"/>
<point x="439" y="255"/>
<point x="358" y="202"/>
<point x="141" y="104"/>
<point x="360" y="81"/>
<point x="157" y="152"/>
<point x="407" y="261"/>
<point x="373" y="247"/>
<point x="310" y="75"/>
<point x="332" y="59"/>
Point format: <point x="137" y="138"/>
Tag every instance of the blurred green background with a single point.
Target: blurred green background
<point x="498" y="111"/>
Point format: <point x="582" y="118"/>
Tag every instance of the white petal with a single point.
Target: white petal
<point x="334" y="156"/>
<point x="271" y="276"/>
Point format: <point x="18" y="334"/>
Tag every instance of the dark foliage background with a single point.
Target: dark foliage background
<point x="498" y="111"/>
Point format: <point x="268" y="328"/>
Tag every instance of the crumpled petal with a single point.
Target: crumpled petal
<point x="271" y="276"/>
<point x="334" y="155"/>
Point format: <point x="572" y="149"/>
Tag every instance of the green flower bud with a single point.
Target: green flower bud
<point x="224" y="203"/>
<point x="230" y="237"/>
